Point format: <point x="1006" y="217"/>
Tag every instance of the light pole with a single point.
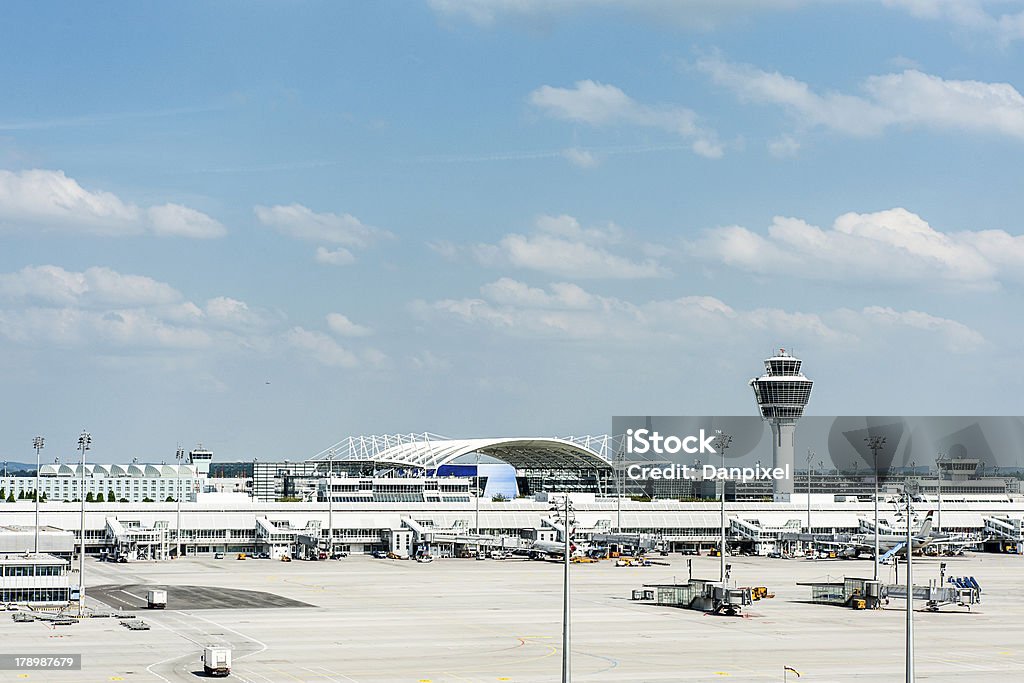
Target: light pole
<point x="876" y="443"/>
<point x="179" y="456"/>
<point x="810" y="456"/>
<point x="619" y="481"/>
<point x="476" y="490"/>
<point x="567" y="519"/>
<point x="84" y="443"/>
<point x="330" y="505"/>
<point x="722" y="442"/>
<point x="910" y="589"/>
<point x="938" y="515"/>
<point x="37" y="443"/>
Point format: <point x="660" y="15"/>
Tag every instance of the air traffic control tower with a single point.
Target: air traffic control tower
<point x="781" y="393"/>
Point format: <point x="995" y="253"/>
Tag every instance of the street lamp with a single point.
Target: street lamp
<point x="37" y="443"/>
<point x="722" y="442"/>
<point x="876" y="443"/>
<point x="810" y="457"/>
<point x="620" y="477"/>
<point x="938" y="514"/>
<point x="567" y="519"/>
<point x="476" y="491"/>
<point x="84" y="443"/>
<point x="179" y="455"/>
<point x="910" y="588"/>
<point x="330" y="503"/>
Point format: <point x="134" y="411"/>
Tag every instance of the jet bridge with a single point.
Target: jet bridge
<point x="935" y="596"/>
<point x="867" y="594"/>
<point x="1009" y="532"/>
<point x="428" y="538"/>
<point x="705" y="595"/>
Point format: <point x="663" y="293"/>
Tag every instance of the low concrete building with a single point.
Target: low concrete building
<point x="34" y="579"/>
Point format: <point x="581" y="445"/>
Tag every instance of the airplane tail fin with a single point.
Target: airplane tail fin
<point x="926" y="527"/>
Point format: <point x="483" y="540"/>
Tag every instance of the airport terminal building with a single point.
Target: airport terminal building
<point x="425" y="493"/>
<point x="394" y="493"/>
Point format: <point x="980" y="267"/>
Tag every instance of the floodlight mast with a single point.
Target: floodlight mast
<point x="567" y="519"/>
<point x="810" y="456"/>
<point x="84" y="443"/>
<point x="37" y="443"/>
<point x="938" y="514"/>
<point x="722" y="442"/>
<point x="910" y="589"/>
<point x="179" y="456"/>
<point x="876" y="443"/>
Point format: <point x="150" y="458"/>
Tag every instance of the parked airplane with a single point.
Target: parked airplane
<point x="895" y="544"/>
<point x="542" y="550"/>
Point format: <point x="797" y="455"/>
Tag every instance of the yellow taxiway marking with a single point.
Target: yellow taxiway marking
<point x="116" y="678"/>
<point x="721" y="673"/>
<point x="504" y="678"/>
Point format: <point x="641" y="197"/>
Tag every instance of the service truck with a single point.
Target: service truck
<point x="217" y="660"/>
<point x="156" y="599"/>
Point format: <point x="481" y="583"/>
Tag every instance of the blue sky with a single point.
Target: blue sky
<point x="269" y="225"/>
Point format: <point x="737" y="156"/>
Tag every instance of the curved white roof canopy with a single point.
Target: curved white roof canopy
<point x="430" y="452"/>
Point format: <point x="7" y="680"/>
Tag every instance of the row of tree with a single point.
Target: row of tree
<point x="23" y="495"/>
<point x="110" y="497"/>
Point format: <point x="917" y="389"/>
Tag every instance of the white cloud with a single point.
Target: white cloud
<point x="132" y="329"/>
<point x="561" y="246"/>
<point x="599" y="104"/>
<point x="180" y="221"/>
<point x="970" y="15"/>
<point x="100" y="308"/>
<point x="299" y="222"/>
<point x="449" y="251"/>
<point x="958" y="337"/>
<point x="50" y="201"/>
<point x="580" y="157"/>
<point x="321" y="348"/>
<point x="783" y="147"/>
<point x="895" y="245"/>
<point x="296" y="220"/>
<point x="92" y="288"/>
<point x="334" y="257"/>
<point x="963" y="15"/>
<point x="343" y="327"/>
<point x="910" y="99"/>
<point x="700" y="14"/>
<point x="223" y="311"/>
<point x="565" y="311"/>
<point x="511" y="292"/>
<point x="430" y="362"/>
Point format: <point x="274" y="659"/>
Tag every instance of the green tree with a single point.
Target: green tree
<point x="10" y="497"/>
<point x="3" y="493"/>
<point x="89" y="497"/>
<point x="170" y="499"/>
<point x="147" y="499"/>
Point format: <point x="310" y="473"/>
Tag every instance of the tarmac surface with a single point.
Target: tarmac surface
<point x="179" y="597"/>
<point x="460" y="621"/>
